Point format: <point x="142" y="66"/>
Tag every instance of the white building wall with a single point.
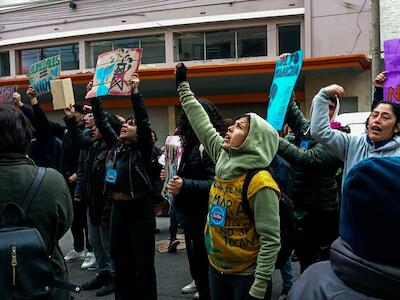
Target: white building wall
<point x="390" y="21"/>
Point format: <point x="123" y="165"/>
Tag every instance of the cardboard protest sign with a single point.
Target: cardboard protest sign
<point x="62" y="93"/>
<point x="42" y="72"/>
<point x="113" y="71"/>
<point x="6" y="94"/>
<point x="173" y="155"/>
<point x="286" y="73"/>
<point x="391" y="88"/>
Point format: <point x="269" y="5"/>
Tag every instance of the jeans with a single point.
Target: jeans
<point x="100" y="239"/>
<point x="79" y="228"/>
<point x="132" y="249"/>
<point x="232" y="287"/>
<point x="287" y="274"/>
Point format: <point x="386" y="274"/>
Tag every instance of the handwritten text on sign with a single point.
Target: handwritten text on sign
<point x="42" y="72"/>
<point x="285" y="77"/>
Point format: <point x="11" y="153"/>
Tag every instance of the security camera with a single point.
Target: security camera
<point x="72" y="4"/>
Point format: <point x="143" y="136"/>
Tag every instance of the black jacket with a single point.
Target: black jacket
<point x="131" y="161"/>
<point x="197" y="171"/>
<point x="313" y="187"/>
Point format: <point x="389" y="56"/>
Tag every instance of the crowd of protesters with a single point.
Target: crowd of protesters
<point x="248" y="198"/>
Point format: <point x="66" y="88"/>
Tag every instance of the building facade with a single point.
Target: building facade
<point x="230" y="48"/>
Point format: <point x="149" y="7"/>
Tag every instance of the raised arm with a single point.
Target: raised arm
<point x="378" y="88"/>
<point x="335" y="141"/>
<point x="197" y="116"/>
<point x="109" y="136"/>
<point x="295" y="118"/>
<point x="315" y="157"/>
<point x="81" y="140"/>
<point x="142" y="121"/>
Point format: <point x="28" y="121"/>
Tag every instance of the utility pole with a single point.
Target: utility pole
<point x="375" y="38"/>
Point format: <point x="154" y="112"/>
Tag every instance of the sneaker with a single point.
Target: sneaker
<point x="196" y="295"/>
<point x="74" y="255"/>
<point x="90" y="261"/>
<point x="106" y="289"/>
<point x="97" y="282"/>
<point x="172" y="246"/>
<point x="190" y="288"/>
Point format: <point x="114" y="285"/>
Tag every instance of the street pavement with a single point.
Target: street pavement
<point x="172" y="271"/>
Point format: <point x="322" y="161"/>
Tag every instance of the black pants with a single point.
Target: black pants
<point x="132" y="248"/>
<point x="233" y="287"/>
<point x="198" y="260"/>
<point x="316" y="232"/>
<point x="79" y="228"/>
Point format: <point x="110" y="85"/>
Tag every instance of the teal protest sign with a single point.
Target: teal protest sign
<point x="286" y="73"/>
<point x="42" y="72"/>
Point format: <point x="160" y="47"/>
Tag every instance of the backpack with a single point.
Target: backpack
<point x="26" y="271"/>
<point x="287" y="220"/>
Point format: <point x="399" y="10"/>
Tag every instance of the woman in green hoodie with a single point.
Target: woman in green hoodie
<point x="241" y="252"/>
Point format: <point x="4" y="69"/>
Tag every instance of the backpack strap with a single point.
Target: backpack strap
<point x="246" y="205"/>
<point x="33" y="189"/>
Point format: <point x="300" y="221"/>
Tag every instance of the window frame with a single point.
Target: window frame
<point x="176" y="49"/>
<point x="287" y="25"/>
<point x="90" y="63"/>
<point x="41" y="51"/>
<point x="9" y="64"/>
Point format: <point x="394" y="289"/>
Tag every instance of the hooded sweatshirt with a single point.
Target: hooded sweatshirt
<point x="350" y="149"/>
<point x="257" y="151"/>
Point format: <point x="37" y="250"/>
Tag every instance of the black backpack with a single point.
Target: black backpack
<point x="287" y="220"/>
<point x="26" y="271"/>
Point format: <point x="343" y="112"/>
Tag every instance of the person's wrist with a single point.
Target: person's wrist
<point x="34" y="101"/>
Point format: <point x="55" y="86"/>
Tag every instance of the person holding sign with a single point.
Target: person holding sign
<point x="132" y="218"/>
<point x="242" y="249"/>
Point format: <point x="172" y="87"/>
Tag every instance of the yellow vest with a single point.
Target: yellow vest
<point x="231" y="238"/>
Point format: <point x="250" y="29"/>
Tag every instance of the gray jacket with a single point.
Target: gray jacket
<point x="350" y="149"/>
<point x="347" y="276"/>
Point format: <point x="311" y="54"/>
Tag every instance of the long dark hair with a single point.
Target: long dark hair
<point x="15" y="130"/>
<point x="395" y="109"/>
<point x="184" y="129"/>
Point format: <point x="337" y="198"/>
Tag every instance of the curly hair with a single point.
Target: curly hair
<point x="184" y="129"/>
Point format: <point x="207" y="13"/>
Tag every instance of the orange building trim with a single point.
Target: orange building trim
<point x="357" y="61"/>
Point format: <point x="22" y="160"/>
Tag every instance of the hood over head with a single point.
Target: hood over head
<point x="256" y="152"/>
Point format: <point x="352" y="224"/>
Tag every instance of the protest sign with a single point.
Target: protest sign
<point x="6" y="94"/>
<point x="286" y="73"/>
<point x="62" y="93"/>
<point x="42" y="72"/>
<point x="391" y="88"/>
<point x="113" y="71"/>
<point x="172" y="158"/>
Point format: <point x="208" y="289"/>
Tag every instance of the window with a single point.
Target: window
<point x="69" y="56"/>
<point x="4" y="64"/>
<point x="252" y="42"/>
<point x="220" y="44"/>
<point x="190" y="45"/>
<point x="289" y="38"/>
<point x="234" y="43"/>
<point x="153" y="48"/>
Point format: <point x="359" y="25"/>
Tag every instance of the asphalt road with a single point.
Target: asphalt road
<point x="172" y="271"/>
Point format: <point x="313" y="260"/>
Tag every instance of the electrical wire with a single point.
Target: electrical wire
<point x="359" y="27"/>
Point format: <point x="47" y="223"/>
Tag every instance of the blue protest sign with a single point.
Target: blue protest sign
<point x="285" y="76"/>
<point x="42" y="72"/>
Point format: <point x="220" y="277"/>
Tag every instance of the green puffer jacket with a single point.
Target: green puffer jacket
<point x="313" y="186"/>
<point x="50" y="211"/>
